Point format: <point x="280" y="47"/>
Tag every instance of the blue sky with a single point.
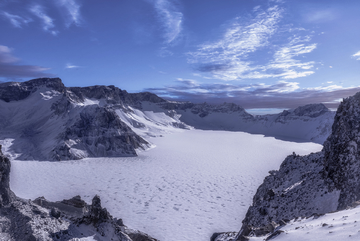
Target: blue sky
<point x="256" y="53"/>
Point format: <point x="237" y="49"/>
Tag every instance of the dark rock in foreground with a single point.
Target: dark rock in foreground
<point x="71" y="219"/>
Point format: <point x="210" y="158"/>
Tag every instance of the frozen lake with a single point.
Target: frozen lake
<point x="194" y="183"/>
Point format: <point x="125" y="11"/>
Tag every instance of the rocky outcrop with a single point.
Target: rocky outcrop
<point x="342" y="156"/>
<point x="6" y="195"/>
<point x="310" y="185"/>
<point x="73" y="219"/>
<point x="98" y="132"/>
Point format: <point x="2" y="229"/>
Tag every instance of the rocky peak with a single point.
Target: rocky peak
<point x="14" y="91"/>
<point x="342" y="156"/>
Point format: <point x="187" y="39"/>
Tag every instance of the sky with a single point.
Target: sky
<point x="260" y="54"/>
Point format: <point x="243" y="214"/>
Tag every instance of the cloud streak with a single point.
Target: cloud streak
<point x="9" y="67"/>
<point x="282" y="94"/>
<point x="171" y="18"/>
<point x="357" y="55"/>
<point x="230" y="58"/>
<point x="16" y="20"/>
<point x="48" y="22"/>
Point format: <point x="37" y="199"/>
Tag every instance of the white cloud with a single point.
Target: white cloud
<point x="73" y="11"/>
<point x="357" y="55"/>
<point x="171" y="18"/>
<point x="226" y="58"/>
<point x="48" y="22"/>
<point x="16" y="20"/>
<point x="71" y="66"/>
<point x="284" y="60"/>
<point x="229" y="58"/>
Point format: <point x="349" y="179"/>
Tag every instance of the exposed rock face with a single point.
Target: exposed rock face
<point x="6" y="195"/>
<point x="342" y="156"/>
<point x="68" y="220"/>
<point x="98" y="132"/>
<point x="314" y="184"/>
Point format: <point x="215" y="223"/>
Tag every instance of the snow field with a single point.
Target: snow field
<point x="194" y="183"/>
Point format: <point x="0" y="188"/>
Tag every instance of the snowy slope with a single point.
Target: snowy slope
<point x="43" y="120"/>
<point x="342" y="225"/>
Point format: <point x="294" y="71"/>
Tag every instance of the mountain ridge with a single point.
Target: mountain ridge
<point x="55" y="120"/>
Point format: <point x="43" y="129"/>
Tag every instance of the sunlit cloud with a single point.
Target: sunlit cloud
<point x="9" y="67"/>
<point x="16" y="20"/>
<point x="357" y="55"/>
<point x="48" y="22"/>
<point x="72" y="11"/>
<point x="171" y="18"/>
<point x="282" y="94"/>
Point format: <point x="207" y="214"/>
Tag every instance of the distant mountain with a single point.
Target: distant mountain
<point x="44" y="120"/>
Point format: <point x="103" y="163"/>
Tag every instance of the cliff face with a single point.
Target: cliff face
<point x="6" y="195"/>
<point x="342" y="153"/>
<point x="73" y="219"/>
<point x="314" y="184"/>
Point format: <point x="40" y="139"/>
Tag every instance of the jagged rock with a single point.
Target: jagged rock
<point x="342" y="157"/>
<point x="6" y="195"/>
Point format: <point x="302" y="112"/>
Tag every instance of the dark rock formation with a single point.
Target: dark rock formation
<point x="342" y="156"/>
<point x="98" y="132"/>
<point x="41" y="220"/>
<point x="14" y="91"/>
<point x="6" y="195"/>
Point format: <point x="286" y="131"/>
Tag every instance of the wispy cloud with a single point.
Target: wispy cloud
<point x="48" y="22"/>
<point x="72" y="11"/>
<point x="171" y="19"/>
<point x="285" y="60"/>
<point x="357" y="55"/>
<point x="16" y="20"/>
<point x="227" y="58"/>
<point x="231" y="58"/>
<point x="9" y="67"/>
<point x="72" y="66"/>
<point x="282" y="94"/>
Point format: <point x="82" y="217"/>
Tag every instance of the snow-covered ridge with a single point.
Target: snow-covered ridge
<point x="62" y="123"/>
